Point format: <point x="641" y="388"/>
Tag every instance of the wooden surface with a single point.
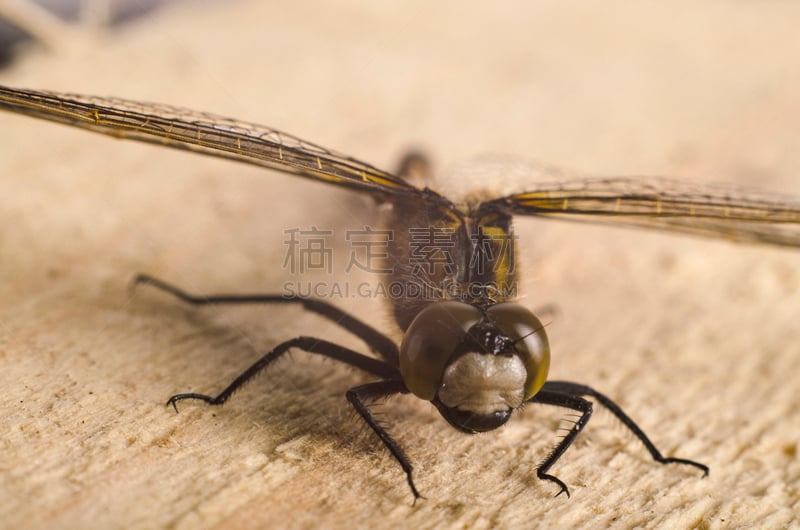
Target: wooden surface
<point x="698" y="340"/>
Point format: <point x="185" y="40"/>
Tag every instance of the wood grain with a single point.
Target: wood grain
<point x="697" y="339"/>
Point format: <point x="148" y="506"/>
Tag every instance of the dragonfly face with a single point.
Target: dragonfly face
<point x="477" y="365"/>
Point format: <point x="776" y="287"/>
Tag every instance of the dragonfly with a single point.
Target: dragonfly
<point x="468" y="347"/>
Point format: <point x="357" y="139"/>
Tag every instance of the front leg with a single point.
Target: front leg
<point x="356" y="396"/>
<point x="575" y="389"/>
<point x="570" y="395"/>
<point x="576" y="403"/>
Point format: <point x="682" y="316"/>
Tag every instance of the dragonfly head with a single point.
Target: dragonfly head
<point x="475" y="364"/>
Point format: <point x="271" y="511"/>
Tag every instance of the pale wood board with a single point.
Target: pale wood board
<point x="698" y="340"/>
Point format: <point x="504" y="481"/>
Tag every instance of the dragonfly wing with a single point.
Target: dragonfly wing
<point x="665" y="204"/>
<point x="204" y="133"/>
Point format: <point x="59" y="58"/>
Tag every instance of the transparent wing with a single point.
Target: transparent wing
<point x="203" y="133"/>
<point x="666" y="204"/>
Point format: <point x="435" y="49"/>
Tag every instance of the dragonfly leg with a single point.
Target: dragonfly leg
<point x="357" y="397"/>
<point x="569" y="401"/>
<point x="377" y="341"/>
<point x="308" y="344"/>
<point x="575" y="389"/>
<point x="571" y="395"/>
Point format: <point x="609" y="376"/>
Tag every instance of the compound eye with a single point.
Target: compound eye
<point x="429" y="343"/>
<point x="530" y="341"/>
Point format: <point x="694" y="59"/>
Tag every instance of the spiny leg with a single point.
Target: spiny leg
<point x="309" y="344"/>
<point x="577" y="403"/>
<point x="575" y="389"/>
<point x="356" y="396"/>
<point x="377" y="341"/>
